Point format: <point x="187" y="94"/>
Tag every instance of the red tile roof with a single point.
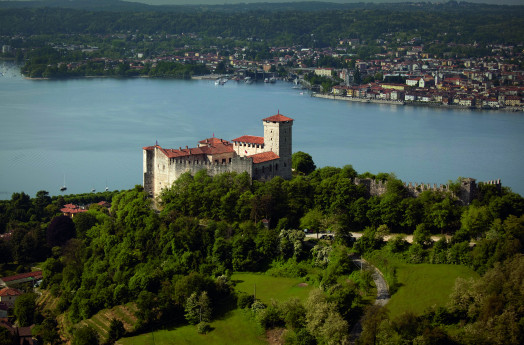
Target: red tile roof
<point x="72" y="209"/>
<point x="264" y="157"/>
<point x="250" y="139"/>
<point x="104" y="203"/>
<point x="278" y="118"/>
<point x="211" y="141"/>
<point x="10" y="292"/>
<point x="215" y="146"/>
<point x="35" y="275"/>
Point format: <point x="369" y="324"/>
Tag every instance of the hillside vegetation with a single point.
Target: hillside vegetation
<point x="176" y="264"/>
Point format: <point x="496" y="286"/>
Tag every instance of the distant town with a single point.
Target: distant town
<point x="439" y="54"/>
<point x="407" y="74"/>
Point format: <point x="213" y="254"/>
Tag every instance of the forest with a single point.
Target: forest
<point x="288" y="25"/>
<point x="174" y="257"/>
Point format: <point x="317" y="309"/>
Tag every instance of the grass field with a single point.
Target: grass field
<point x="425" y="285"/>
<point x="268" y="287"/>
<point x="236" y="328"/>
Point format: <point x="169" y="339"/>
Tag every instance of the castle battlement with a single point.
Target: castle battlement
<point x="468" y="188"/>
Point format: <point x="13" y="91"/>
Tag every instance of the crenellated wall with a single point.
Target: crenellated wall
<point x="468" y="188"/>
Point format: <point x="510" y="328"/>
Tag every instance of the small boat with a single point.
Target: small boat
<point x="272" y="80"/>
<point x="93" y="190"/>
<point x="266" y="80"/>
<point x="63" y="188"/>
<point x="248" y="80"/>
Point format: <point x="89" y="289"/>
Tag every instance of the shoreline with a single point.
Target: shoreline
<point x="316" y="94"/>
<point x="417" y="104"/>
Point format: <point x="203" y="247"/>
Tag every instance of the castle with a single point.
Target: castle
<point x="261" y="157"/>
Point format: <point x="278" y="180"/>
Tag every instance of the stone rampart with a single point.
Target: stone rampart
<point x="467" y="193"/>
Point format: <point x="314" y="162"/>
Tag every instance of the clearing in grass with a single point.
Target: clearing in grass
<point x="236" y="328"/>
<point x="422" y="286"/>
<point x="267" y="287"/>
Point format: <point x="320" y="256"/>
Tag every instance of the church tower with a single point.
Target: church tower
<point x="278" y="137"/>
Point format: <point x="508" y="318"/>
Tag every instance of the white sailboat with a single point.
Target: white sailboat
<point x="63" y="188"/>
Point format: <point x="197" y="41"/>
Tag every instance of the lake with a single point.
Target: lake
<point x="91" y="131"/>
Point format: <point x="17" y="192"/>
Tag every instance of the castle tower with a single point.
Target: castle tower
<point x="468" y="190"/>
<point x="278" y="138"/>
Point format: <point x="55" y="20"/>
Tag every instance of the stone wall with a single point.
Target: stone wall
<point x="160" y="172"/>
<point x="467" y="193"/>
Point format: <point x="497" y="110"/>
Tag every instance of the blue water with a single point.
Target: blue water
<point x="91" y="131"/>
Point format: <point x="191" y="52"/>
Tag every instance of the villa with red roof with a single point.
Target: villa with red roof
<point x="261" y="157"/>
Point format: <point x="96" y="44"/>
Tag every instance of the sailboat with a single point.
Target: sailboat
<point x="63" y="188"/>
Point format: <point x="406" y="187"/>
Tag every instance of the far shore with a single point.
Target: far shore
<point x="419" y="104"/>
<point x="313" y="94"/>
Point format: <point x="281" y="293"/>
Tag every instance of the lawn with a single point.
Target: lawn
<point x="425" y="285"/>
<point x="267" y="287"/>
<point x="236" y="328"/>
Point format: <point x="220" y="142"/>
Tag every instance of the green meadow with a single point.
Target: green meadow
<point x="267" y="287"/>
<point x="425" y="285"/>
<point x="237" y="326"/>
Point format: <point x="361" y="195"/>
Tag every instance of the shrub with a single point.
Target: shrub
<point x="245" y="301"/>
<point x="271" y="316"/>
<point x="203" y="328"/>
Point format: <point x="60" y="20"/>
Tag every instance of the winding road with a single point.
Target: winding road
<point x="382" y="292"/>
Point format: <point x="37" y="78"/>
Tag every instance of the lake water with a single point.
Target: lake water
<point x="91" y="131"/>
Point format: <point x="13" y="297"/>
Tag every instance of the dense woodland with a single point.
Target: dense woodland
<point x="277" y="26"/>
<point x="175" y="259"/>
<point x="289" y="25"/>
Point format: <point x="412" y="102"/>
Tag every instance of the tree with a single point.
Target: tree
<point x="47" y="331"/>
<point x="25" y="309"/>
<point x="373" y="317"/>
<point x="303" y="163"/>
<point x="198" y="308"/>
<point x="323" y="321"/>
<point x="116" y="331"/>
<point x="475" y="220"/>
<point x="83" y="222"/>
<point x="60" y="230"/>
<point x="422" y="236"/>
<point x="85" y="336"/>
<point x="312" y="220"/>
